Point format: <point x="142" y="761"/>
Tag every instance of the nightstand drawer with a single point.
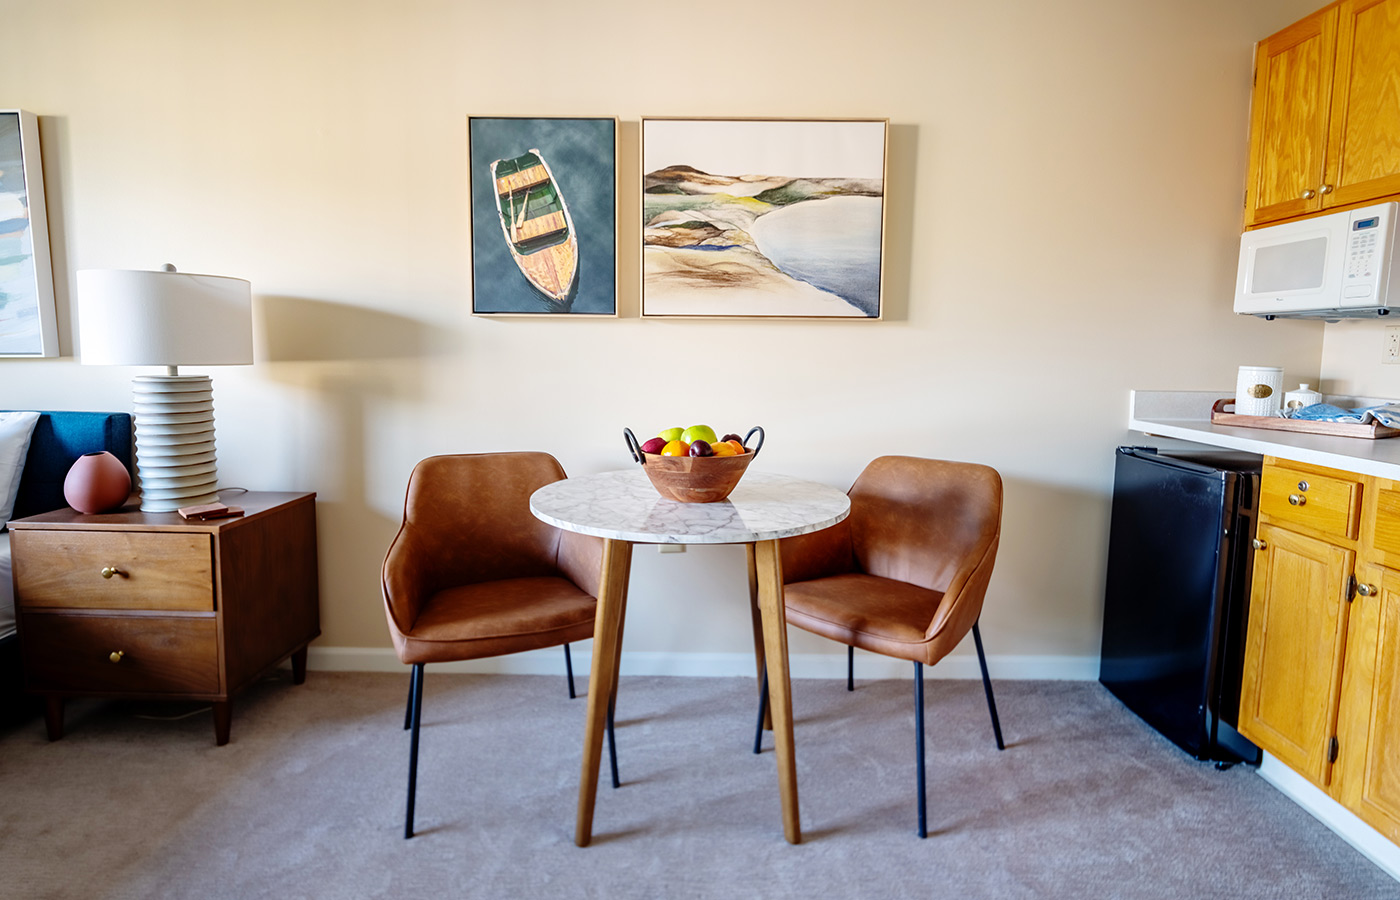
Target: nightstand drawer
<point x="143" y="570"/>
<point x="156" y="654"/>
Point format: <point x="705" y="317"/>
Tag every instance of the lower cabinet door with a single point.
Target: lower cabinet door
<point x="137" y="654"/>
<point x="1294" y="649"/>
<point x="1371" y="728"/>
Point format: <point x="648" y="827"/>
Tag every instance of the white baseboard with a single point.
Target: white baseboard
<point x="1369" y="842"/>
<point x="700" y="665"/>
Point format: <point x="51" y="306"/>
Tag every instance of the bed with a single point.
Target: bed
<point x="59" y="438"/>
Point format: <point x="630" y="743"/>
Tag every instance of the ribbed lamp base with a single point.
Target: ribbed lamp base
<point x="175" y="441"/>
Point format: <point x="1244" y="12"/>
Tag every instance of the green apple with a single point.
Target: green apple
<point x="671" y="434"/>
<point x="699" y="433"/>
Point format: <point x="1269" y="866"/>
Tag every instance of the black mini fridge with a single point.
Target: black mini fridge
<point x="1176" y="598"/>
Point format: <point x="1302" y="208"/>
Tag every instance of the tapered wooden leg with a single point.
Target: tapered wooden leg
<point x="223" y="717"/>
<point x="767" y="724"/>
<point x="299" y="666"/>
<point x="53" y="716"/>
<point x="602" y="680"/>
<point x="770" y="601"/>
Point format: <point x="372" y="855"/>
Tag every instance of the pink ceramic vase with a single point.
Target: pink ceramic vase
<point x="97" y="483"/>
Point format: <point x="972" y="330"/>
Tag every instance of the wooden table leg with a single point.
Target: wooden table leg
<point x="53" y="716"/>
<point x="749" y="552"/>
<point x="602" y="680"/>
<point x="223" y="718"/>
<point x="770" y="601"/>
<point x="299" y="666"/>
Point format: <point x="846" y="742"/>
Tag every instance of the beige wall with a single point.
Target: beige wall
<point x="1065" y="184"/>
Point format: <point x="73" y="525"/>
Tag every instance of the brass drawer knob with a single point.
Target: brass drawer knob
<point x="109" y="571"/>
<point x="1308" y="194"/>
<point x="1367" y="590"/>
<point x="1325" y="189"/>
<point x="1259" y="545"/>
<point x="1297" y="499"/>
<point x="116" y="655"/>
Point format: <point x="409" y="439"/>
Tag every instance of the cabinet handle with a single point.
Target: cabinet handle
<point x="1297" y="499"/>
<point x="1325" y="189"/>
<point x="109" y="571"/>
<point x="1367" y="590"/>
<point x="1259" y="544"/>
<point x="1309" y="194"/>
<point x="116" y="655"/>
<point x="1302" y="485"/>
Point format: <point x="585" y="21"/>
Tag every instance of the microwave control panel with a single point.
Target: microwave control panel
<point x="1362" y="248"/>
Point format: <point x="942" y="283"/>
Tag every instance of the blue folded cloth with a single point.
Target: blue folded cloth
<point x="1387" y="414"/>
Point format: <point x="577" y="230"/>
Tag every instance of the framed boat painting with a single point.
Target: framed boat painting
<point x="774" y="218"/>
<point x="27" y="325"/>
<point x="543" y="215"/>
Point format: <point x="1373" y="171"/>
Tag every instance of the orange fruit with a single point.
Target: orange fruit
<point x="723" y="448"/>
<point x="675" y="448"/>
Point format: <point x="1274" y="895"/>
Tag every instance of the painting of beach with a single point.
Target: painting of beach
<point x="762" y="217"/>
<point x="27" y="326"/>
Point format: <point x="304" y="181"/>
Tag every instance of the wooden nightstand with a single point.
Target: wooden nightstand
<point x="134" y="604"/>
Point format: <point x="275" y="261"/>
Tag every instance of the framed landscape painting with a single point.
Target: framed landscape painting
<point x="27" y="325"/>
<point x="543" y="215"/>
<point x="779" y="218"/>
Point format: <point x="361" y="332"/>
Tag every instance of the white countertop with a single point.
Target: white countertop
<point x="624" y="506"/>
<point x="1185" y="415"/>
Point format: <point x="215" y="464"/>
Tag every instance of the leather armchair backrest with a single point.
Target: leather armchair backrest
<point x="926" y="522"/>
<point x="467" y="520"/>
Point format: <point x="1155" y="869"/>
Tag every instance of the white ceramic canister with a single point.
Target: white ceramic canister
<point x="1258" y="390"/>
<point x="1300" y="398"/>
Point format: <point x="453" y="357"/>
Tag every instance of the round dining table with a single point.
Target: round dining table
<point x="624" y="509"/>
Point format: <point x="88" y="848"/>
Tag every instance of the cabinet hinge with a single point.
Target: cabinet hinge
<point x="1332" y="749"/>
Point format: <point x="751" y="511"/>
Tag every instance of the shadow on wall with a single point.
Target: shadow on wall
<point x="360" y="360"/>
<point x="1057" y="539"/>
<point x="298" y="329"/>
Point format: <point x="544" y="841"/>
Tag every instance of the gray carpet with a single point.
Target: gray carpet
<point x="307" y="799"/>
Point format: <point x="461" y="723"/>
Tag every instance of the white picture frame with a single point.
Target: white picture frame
<point x="28" y="327"/>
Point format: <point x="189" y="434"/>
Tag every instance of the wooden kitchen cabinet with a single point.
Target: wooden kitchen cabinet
<point x="135" y="604"/>
<point x="1325" y="115"/>
<point x="1305" y="556"/>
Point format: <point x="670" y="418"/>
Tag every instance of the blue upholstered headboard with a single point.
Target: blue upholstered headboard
<point x="60" y="437"/>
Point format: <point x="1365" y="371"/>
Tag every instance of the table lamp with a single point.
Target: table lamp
<point x="171" y="319"/>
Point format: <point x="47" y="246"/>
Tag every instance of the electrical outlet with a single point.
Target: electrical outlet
<point x="1390" y="352"/>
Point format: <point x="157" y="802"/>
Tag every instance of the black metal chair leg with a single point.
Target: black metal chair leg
<point x="612" y="745"/>
<point x="987" y="686"/>
<point x="919" y="743"/>
<point x="416" y="691"/>
<point x="762" y="711"/>
<point x="850" y="668"/>
<point x="569" y="670"/>
<point x="408" y="705"/>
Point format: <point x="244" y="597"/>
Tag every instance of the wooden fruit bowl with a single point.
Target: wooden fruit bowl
<point x="694" y="479"/>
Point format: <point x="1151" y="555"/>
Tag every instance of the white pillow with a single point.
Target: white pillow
<point x="16" y="428"/>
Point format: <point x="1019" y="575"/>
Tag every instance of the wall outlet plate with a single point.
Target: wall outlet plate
<point x="1390" y="350"/>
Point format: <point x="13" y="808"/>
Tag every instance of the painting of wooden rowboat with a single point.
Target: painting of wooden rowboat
<point x="536" y="223"/>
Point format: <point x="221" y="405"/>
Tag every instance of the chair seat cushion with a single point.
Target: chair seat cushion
<point x="866" y="611"/>
<point x="493" y="618"/>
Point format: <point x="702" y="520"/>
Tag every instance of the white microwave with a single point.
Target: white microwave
<point x="1336" y="266"/>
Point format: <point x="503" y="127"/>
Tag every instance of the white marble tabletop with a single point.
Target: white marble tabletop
<point x="624" y="506"/>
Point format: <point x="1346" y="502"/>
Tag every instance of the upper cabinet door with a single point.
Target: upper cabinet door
<point x="1288" y="129"/>
<point x="1363" y="142"/>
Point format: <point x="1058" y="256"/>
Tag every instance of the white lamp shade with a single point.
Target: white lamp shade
<point x="139" y="318"/>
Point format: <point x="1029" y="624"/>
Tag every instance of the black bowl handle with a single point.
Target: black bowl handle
<point x="745" y="441"/>
<point x="634" y="447"/>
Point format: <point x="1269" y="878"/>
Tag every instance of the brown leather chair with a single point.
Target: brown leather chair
<point x="905" y="574"/>
<point x="472" y="573"/>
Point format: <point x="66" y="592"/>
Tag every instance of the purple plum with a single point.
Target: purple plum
<point x="701" y="448"/>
